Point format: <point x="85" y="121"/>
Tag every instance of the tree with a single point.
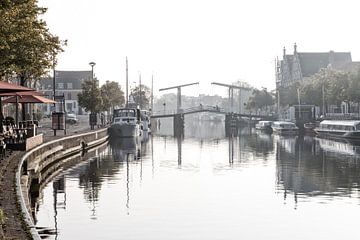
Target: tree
<point x="260" y="99"/>
<point x="354" y="87"/>
<point x="90" y="97"/>
<point x="27" y="48"/>
<point x="288" y="95"/>
<point x="141" y="98"/>
<point x="111" y="95"/>
<point x="328" y="84"/>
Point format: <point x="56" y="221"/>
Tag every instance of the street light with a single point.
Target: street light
<point x="92" y="64"/>
<point x="92" y="117"/>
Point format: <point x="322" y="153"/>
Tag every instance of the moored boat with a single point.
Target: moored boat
<point x="264" y="126"/>
<point x="285" y="128"/>
<point x="309" y="127"/>
<point x="125" y="123"/>
<point x="339" y="129"/>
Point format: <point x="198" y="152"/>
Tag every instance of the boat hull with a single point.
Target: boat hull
<point x="124" y="130"/>
<point x="338" y="134"/>
<point x="284" y="131"/>
<point x="266" y="129"/>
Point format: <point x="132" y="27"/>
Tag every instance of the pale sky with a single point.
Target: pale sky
<point x="196" y="40"/>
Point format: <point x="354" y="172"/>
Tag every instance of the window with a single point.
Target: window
<point x="69" y="96"/>
<point x="69" y="85"/>
<point x="60" y="85"/>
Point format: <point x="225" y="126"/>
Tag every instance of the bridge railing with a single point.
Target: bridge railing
<point x="209" y="108"/>
<point x="199" y="108"/>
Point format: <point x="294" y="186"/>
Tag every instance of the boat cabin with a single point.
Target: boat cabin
<point x="340" y="125"/>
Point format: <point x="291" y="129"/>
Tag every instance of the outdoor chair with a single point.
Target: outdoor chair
<point x="2" y="148"/>
<point x="9" y="134"/>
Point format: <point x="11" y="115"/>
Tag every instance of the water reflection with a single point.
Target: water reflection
<point x="123" y="148"/>
<point x="206" y="188"/>
<point x="259" y="142"/>
<point x="309" y="167"/>
<point x="179" y="149"/>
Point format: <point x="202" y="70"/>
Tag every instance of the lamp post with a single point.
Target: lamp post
<point x="92" y="64"/>
<point x="54" y="81"/>
<point x="92" y="117"/>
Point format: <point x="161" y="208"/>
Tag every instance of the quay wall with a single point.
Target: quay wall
<point x="38" y="164"/>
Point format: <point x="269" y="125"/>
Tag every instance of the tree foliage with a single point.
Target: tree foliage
<point x="141" y="98"/>
<point x="331" y="85"/>
<point x="27" y="48"/>
<point x="354" y="87"/>
<point x="260" y="99"/>
<point x="288" y="96"/>
<point x="111" y="95"/>
<point x="90" y="97"/>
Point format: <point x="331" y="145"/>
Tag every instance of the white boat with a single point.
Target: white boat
<point x="264" y="126"/>
<point x="285" y="128"/>
<point x="125" y="123"/>
<point x="339" y="129"/>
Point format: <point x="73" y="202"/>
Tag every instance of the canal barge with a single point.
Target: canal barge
<point x="339" y="129"/>
<point x="284" y="128"/>
<point x="125" y="123"/>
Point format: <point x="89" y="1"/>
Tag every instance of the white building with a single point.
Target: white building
<point x="67" y="83"/>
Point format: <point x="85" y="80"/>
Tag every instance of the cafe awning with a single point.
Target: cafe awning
<point x="33" y="92"/>
<point x="6" y="87"/>
<point x="28" y="99"/>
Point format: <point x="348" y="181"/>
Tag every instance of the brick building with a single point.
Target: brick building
<point x="300" y="66"/>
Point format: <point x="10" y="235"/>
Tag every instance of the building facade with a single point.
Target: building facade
<point x="68" y="84"/>
<point x="300" y="66"/>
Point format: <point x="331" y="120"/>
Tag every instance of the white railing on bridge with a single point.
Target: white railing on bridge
<point x="189" y="110"/>
<point x="208" y="108"/>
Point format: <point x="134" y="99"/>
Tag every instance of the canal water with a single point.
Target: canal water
<point x="207" y="186"/>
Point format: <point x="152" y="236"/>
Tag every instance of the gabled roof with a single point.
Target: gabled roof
<point x="311" y="63"/>
<point x="74" y="77"/>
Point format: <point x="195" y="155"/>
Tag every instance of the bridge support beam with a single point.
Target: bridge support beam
<point x="231" y="125"/>
<point x="179" y="124"/>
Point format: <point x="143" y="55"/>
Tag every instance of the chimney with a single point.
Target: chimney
<point x="284" y="51"/>
<point x="295" y="48"/>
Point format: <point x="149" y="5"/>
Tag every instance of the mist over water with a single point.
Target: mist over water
<point x="207" y="186"/>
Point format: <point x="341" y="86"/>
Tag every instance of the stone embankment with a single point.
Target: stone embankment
<point x="23" y="173"/>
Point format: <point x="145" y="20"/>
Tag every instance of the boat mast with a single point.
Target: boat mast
<point x="152" y="93"/>
<point x="140" y="91"/>
<point x="127" y="85"/>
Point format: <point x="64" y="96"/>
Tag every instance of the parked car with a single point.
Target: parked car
<point x="71" y="118"/>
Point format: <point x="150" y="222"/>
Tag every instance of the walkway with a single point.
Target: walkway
<point x="13" y="227"/>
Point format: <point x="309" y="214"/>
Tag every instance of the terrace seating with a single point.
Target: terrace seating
<point x="2" y="147"/>
<point x="9" y="134"/>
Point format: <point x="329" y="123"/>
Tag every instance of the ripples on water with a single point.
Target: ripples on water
<point x="207" y="186"/>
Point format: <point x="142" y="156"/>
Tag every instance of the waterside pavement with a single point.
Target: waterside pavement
<point x="14" y="227"/>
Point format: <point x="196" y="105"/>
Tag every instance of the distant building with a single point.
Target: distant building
<point x="67" y="83"/>
<point x="300" y="66"/>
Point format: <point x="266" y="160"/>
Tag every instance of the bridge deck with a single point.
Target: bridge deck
<point x="210" y="109"/>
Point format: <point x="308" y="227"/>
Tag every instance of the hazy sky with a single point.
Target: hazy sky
<point x="193" y="40"/>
